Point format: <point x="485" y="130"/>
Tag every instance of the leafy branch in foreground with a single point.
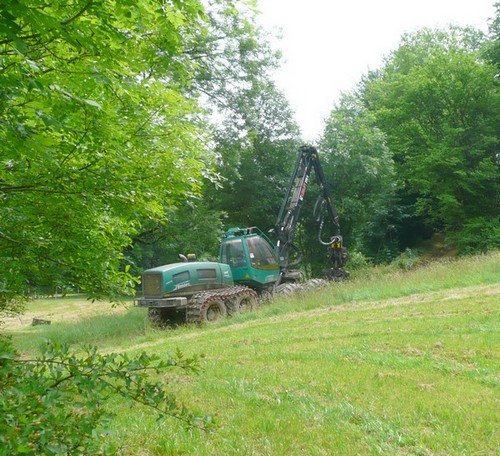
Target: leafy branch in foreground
<point x="55" y="404"/>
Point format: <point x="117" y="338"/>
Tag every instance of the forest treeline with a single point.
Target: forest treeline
<point x="134" y="131"/>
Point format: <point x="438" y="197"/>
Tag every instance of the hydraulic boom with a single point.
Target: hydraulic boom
<point x="289" y="215"/>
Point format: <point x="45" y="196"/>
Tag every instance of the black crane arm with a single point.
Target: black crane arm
<point x="289" y="215"/>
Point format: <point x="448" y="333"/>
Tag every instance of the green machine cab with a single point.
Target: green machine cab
<point x="251" y="256"/>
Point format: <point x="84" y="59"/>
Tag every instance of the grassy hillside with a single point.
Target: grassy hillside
<point x="391" y="362"/>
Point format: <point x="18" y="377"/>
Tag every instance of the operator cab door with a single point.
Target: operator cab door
<point x="233" y="254"/>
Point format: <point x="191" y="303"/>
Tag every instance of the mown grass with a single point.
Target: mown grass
<point x="97" y="330"/>
<point x="391" y="362"/>
<point x="106" y="327"/>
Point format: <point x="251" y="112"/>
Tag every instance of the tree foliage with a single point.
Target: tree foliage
<point x="361" y="168"/>
<point x="97" y="134"/>
<point x="232" y="57"/>
<point x="253" y="136"/>
<point x="192" y="228"/>
<point x="256" y="148"/>
<point x="436" y="99"/>
<point x="492" y="46"/>
<point x="56" y="404"/>
<point x="101" y="137"/>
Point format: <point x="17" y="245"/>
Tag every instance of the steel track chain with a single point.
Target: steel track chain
<point x="195" y="306"/>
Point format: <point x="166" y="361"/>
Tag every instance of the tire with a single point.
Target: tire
<point x="213" y="310"/>
<point x="313" y="284"/>
<point x="266" y="296"/>
<point x="243" y="303"/>
<point x="287" y="289"/>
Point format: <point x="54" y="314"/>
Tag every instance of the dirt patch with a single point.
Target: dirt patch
<point x="65" y="310"/>
<point x="427" y="386"/>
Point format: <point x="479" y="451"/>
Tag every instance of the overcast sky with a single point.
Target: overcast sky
<point x="329" y="44"/>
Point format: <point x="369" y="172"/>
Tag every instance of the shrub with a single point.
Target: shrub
<point x="479" y="235"/>
<point x="357" y="261"/>
<point x="407" y="260"/>
<point x="54" y="405"/>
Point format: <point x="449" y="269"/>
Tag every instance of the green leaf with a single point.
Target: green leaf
<point x="92" y="103"/>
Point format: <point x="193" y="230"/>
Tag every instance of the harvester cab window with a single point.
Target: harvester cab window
<point x="261" y="254"/>
<point x="233" y="255"/>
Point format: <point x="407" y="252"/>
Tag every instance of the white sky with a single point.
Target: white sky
<point x="329" y="44"/>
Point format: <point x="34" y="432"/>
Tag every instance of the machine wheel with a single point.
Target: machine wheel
<point x="266" y="296"/>
<point x="213" y="310"/>
<point x="313" y="284"/>
<point x="211" y="306"/>
<point x="243" y="303"/>
<point x="287" y="289"/>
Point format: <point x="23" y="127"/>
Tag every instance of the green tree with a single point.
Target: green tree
<point x="190" y="228"/>
<point x="492" y="46"/>
<point x="253" y="134"/>
<point x="97" y="134"/>
<point x="361" y="168"/>
<point x="233" y="56"/>
<point x="256" y="157"/>
<point x="100" y="135"/>
<point x="437" y="101"/>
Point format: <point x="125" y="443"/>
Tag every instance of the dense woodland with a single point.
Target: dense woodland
<point x="131" y="131"/>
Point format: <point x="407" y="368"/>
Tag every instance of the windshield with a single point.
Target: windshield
<point x="261" y="254"/>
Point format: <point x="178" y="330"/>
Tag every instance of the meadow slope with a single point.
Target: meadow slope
<point x="393" y="362"/>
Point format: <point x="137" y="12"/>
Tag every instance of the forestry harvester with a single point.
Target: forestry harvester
<point x="251" y="267"/>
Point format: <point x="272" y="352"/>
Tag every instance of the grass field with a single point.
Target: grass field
<point x="390" y="362"/>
